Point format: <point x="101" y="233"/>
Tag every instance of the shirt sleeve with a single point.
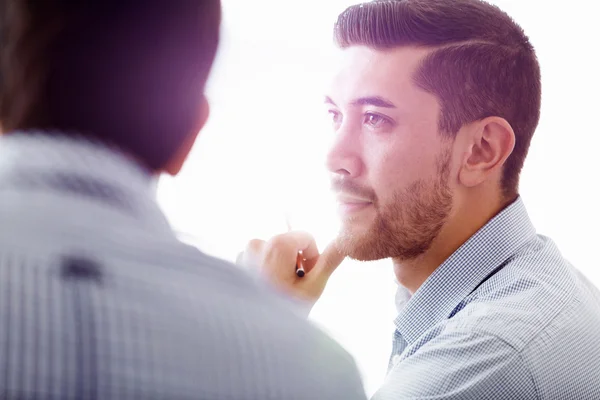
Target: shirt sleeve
<point x="460" y="365"/>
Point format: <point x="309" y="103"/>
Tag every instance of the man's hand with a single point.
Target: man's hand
<point x="276" y="261"/>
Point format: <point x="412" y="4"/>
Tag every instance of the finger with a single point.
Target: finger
<point x="281" y="252"/>
<point x="255" y="246"/>
<point x="291" y="243"/>
<point x="327" y="262"/>
<point x="253" y="254"/>
<point x="304" y="242"/>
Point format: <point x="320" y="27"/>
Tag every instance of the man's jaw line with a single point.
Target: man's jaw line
<point x="412" y="273"/>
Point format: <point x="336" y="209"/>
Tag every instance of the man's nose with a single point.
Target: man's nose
<point x="343" y="157"/>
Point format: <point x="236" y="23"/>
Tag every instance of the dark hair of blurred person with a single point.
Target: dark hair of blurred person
<point x="129" y="73"/>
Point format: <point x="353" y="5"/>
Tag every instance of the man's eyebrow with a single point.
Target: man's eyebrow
<point x="375" y="101"/>
<point x="329" y="101"/>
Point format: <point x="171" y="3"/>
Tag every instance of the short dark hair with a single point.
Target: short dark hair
<point x="481" y="64"/>
<point x="128" y="72"/>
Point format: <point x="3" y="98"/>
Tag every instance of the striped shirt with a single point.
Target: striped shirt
<point x="99" y="300"/>
<point x="505" y="317"/>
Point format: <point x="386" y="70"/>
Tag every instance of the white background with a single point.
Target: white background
<point x="261" y="155"/>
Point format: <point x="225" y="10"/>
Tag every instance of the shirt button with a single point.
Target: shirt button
<point x="396" y="359"/>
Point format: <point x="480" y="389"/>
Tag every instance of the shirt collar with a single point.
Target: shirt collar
<point x="42" y="155"/>
<point x="463" y="271"/>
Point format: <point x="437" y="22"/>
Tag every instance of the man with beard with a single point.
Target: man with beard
<point x="434" y="107"/>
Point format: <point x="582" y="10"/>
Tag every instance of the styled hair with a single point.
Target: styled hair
<point x="481" y="62"/>
<point x="128" y="72"/>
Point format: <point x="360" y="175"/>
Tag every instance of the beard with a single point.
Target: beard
<point x="406" y="227"/>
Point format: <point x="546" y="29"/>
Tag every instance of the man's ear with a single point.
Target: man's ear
<point x="490" y="142"/>
<point x="174" y="166"/>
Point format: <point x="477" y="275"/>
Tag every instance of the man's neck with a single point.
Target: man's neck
<point x="463" y="224"/>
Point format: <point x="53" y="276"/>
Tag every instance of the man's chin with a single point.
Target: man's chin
<point x="364" y="257"/>
<point x="360" y="250"/>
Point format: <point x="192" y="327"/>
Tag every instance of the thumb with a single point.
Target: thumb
<point x="328" y="262"/>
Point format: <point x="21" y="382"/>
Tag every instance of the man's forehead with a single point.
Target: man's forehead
<point x="360" y="68"/>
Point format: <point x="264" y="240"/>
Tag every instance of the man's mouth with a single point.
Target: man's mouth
<point x="348" y="203"/>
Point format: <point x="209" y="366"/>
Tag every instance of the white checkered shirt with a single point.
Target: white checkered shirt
<point x="99" y="300"/>
<point x="505" y="317"/>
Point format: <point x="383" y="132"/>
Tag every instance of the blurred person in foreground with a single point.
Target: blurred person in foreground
<point x="98" y="298"/>
<point x="433" y="107"/>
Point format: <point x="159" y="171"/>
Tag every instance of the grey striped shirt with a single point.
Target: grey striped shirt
<point x="99" y="300"/>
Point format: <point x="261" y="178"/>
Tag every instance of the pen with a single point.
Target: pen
<point x="299" y="268"/>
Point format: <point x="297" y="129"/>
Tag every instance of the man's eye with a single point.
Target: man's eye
<point x="335" y="116"/>
<point x="375" y="120"/>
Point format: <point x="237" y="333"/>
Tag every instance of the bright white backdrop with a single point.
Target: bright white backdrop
<point x="261" y="155"/>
